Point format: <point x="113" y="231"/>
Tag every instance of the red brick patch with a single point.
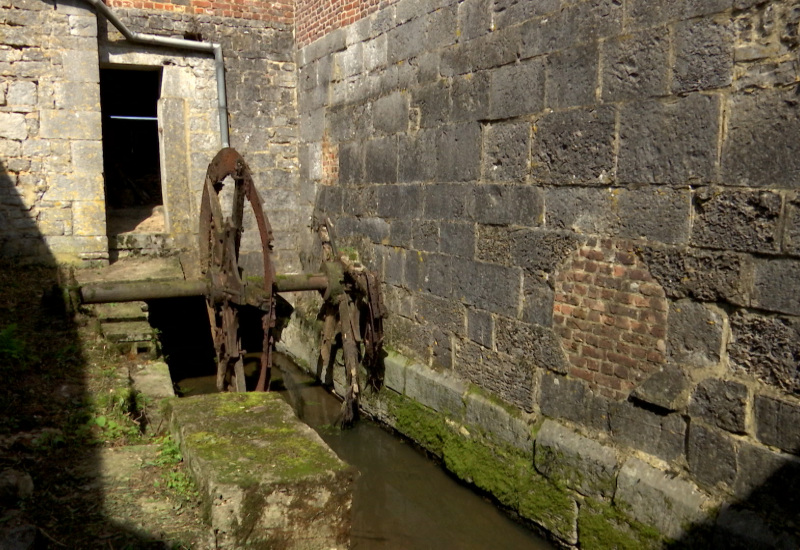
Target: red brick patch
<point x="611" y="316"/>
<point x="330" y="162"/>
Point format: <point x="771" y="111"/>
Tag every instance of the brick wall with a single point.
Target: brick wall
<point x="316" y="18"/>
<point x="279" y="11"/>
<point x="587" y="209"/>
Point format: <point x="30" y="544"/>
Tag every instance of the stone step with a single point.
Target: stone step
<point x="152" y="379"/>
<point x="267" y="479"/>
<point x="127" y="311"/>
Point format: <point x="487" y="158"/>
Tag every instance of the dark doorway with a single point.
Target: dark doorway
<point x="131" y="163"/>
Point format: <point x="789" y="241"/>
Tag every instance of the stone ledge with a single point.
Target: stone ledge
<point x="267" y="479"/>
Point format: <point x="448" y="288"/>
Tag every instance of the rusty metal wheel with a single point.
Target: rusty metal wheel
<point x="220" y="241"/>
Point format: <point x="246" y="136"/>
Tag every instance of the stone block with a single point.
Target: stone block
<point x="572" y="76"/>
<point x="381" y="160"/>
<point x="777" y="287"/>
<point x="406" y="40"/>
<point x="408" y="337"/>
<point x="441" y="313"/>
<point x="517" y="89"/>
<point x="695" y="334"/>
<point x="296" y="478"/>
<point x="87" y="157"/>
<point x="647" y="493"/>
<point x="536" y="343"/>
<point x="13" y="126"/>
<point x="417" y="156"/>
<point x="486" y="286"/>
<point x="507" y="205"/>
<point x="748" y="221"/>
<point x="537" y="306"/>
<point x="777" y="423"/>
<point x="575" y="147"/>
<point x="480" y="327"/>
<point x="636" y="206"/>
<point x="351" y="163"/>
<point x="768" y="481"/>
<point x="474" y="19"/>
<point x="433" y="102"/>
<point x="538" y="250"/>
<point x="440" y="28"/>
<point x="711" y="456"/>
<point x="21" y="93"/>
<point x="458" y="152"/>
<point x="402" y="202"/>
<point x="636" y="65"/>
<point x="498" y="420"/>
<point x="510" y="378"/>
<point x="741" y="529"/>
<point x="81" y="65"/>
<point x="88" y="218"/>
<point x="70" y="124"/>
<point x="767" y="348"/>
<point x="708" y="276"/>
<point x="703" y="55"/>
<point x="667" y="389"/>
<point x="506" y="151"/>
<point x="470" y="97"/>
<point x="393" y="264"/>
<point x="394" y="375"/>
<point x="575" y="461"/>
<point x="440" y="392"/>
<point x="656" y="434"/>
<point x="425" y="235"/>
<point x="722" y="403"/>
<point x="758" y="150"/>
<point x="552" y="508"/>
<point x="390" y="113"/>
<point x="71" y="187"/>
<point x="581" y="210"/>
<point x="77" y="96"/>
<point x="669" y="142"/>
<point x="791" y="230"/>
<point x="570" y="399"/>
<point x="375" y="53"/>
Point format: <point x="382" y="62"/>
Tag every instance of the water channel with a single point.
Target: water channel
<point x="402" y="499"/>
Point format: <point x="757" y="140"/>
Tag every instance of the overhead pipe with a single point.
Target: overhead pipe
<point x="180" y="43"/>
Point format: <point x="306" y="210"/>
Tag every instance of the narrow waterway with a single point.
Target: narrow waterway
<point x="402" y="499"/>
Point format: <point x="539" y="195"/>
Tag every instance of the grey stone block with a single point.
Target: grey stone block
<point x="427" y="67"/>
<point x="506" y="151"/>
<point x="470" y="97"/>
<point x="739" y="529"/>
<point x="440" y="392"/>
<point x="69" y="124"/>
<point x="351" y="163"/>
<point x="669" y="142"/>
<point x="540" y="250"/>
<point x="767" y="348"/>
<point x="425" y="236"/>
<point x="703" y="275"/>
<point x="647" y="493"/>
<point x="777" y="287"/>
<point x="492" y="50"/>
<point x="572" y="76"/>
<point x="537" y="306"/>
<point x="581" y="209"/>
<point x="440" y="28"/>
<point x="791" y="230"/>
<point x="656" y="434"/>
<point x="711" y="456"/>
<point x="444" y="201"/>
<point x="402" y="202"/>
<point x="458" y="152"/>
<point x="417" y="156"/>
<point x="487" y="286"/>
<point x="536" y="343"/>
<point x="636" y="65"/>
<point x="474" y="19"/>
<point x="329" y="200"/>
<point x="695" y="334"/>
<point x="636" y="207"/>
<point x="667" y="389"/>
<point x="517" y="89"/>
<point x="777" y="423"/>
<point x="394" y="263"/>
<point x="433" y="102"/>
<point x="703" y="55"/>
<point x="495" y="420"/>
<point x="575" y="461"/>
<point x="722" y="403"/>
<point x="510" y="378"/>
<point x="511" y="12"/>
<point x="575" y="147"/>
<point x="359" y="201"/>
<point x="759" y="149"/>
<point x="390" y="113"/>
<point x="408" y="337"/>
<point x="406" y="40"/>
<point x="441" y="313"/>
<point x="480" y="327"/>
<point x="81" y="65"/>
<point x="562" y="397"/>
<point x="507" y="205"/>
<point x="457" y="239"/>
<point x="768" y="481"/>
<point x="375" y="53"/>
<point x="13" y="126"/>
<point x="381" y="157"/>
<point x="748" y="221"/>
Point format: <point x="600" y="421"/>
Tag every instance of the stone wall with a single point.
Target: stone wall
<point x="50" y="133"/>
<point x="586" y="210"/>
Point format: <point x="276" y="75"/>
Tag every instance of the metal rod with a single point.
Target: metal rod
<point x="180" y="43"/>
<point x="99" y="293"/>
<point x="293" y="283"/>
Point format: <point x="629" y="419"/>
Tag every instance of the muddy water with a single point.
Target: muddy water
<point x="402" y="500"/>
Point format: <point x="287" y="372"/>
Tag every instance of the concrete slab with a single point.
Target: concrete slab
<point x="267" y="479"/>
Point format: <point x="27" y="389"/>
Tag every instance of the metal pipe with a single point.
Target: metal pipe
<point x="100" y="293"/>
<point x="180" y="43"/>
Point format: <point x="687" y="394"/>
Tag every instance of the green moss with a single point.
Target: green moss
<point x="603" y="527"/>
<point x="508" y="407"/>
<point x="421" y="424"/>
<point x="548" y="505"/>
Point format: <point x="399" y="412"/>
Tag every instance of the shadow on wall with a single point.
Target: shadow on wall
<point x="51" y="493"/>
